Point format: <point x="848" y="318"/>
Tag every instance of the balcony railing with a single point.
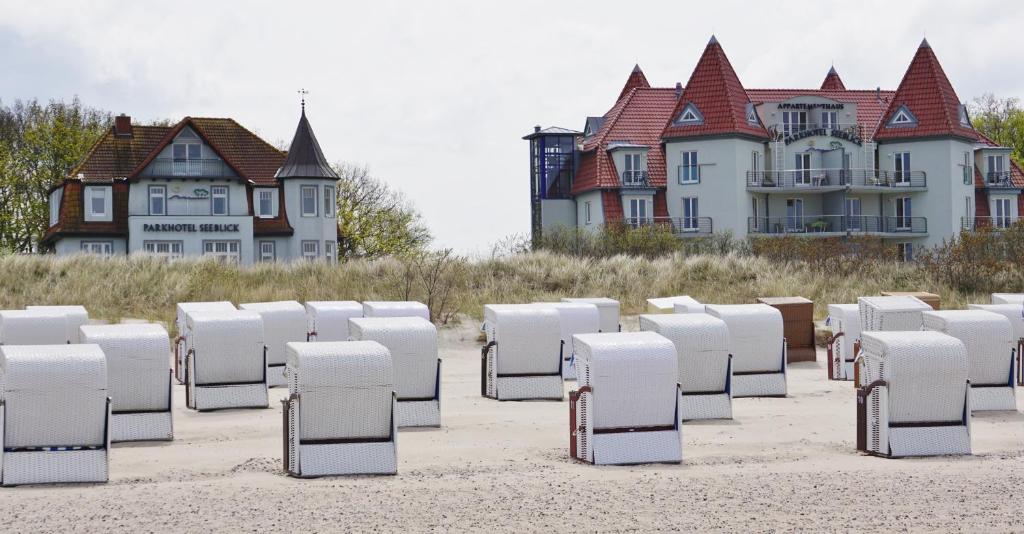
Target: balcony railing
<point x="200" y="168"/>
<point x="798" y="130"/>
<point x="680" y="226"/>
<point x="635" y="179"/>
<point x="999" y="179"/>
<point x="832" y="177"/>
<point x="831" y="224"/>
<point x="994" y="222"/>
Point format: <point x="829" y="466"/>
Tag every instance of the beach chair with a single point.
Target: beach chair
<point x="686" y="304"/>
<point x="522" y="359"/>
<point x="180" y="343"/>
<point x="988" y="338"/>
<point x="33" y="327"/>
<point x="891" y="314"/>
<point x="412" y="343"/>
<point x="138" y="378"/>
<point x="76" y="317"/>
<point x="574" y="318"/>
<point x="916" y="400"/>
<point x="626" y="409"/>
<point x="705" y="365"/>
<point x="226" y="360"/>
<point x="327" y="320"/>
<point x="758" y="348"/>
<point x="283" y="322"/>
<point x="1015" y="314"/>
<point x="394" y="308"/>
<point x="1007" y="298"/>
<point x="54" y="414"/>
<point x="607" y="308"/>
<point x="339" y="417"/>
<point x="844" y="319"/>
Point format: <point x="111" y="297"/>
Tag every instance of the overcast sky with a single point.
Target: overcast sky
<point x="435" y="96"/>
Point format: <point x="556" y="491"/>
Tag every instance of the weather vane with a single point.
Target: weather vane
<point x="302" y="95"/>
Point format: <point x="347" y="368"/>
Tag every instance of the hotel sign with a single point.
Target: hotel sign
<point x="799" y="105"/>
<point x="189" y="227"/>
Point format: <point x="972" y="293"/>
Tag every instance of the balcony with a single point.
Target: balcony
<point x="836" y="225"/>
<point x="830" y="179"/>
<point x="800" y="130"/>
<point x="993" y="222"/>
<point x="680" y="226"/>
<point x="999" y="180"/>
<point x="635" y="180"/>
<point x="191" y="168"/>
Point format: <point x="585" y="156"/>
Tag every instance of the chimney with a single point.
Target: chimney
<point x="536" y="129"/>
<point x="878" y="93"/>
<point x="679" y="89"/>
<point x="123" y="126"/>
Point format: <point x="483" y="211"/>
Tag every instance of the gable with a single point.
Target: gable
<point x="902" y="118"/>
<point x="689" y="116"/>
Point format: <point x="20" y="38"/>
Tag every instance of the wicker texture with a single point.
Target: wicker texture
<point x="54" y="467"/>
<point x="283" y="322"/>
<point x="686" y="304"/>
<point x="574" y="318"/>
<point x="33" y="327"/>
<point x="1007" y="298"/>
<point x="226" y="397"/>
<point x="412" y="342"/>
<point x="329" y="318"/>
<point x="755" y="336"/>
<point x="702" y="347"/>
<point x="1013" y="312"/>
<point x="607" y="308"/>
<point x="155" y="426"/>
<point x="987" y="337"/>
<point x="891" y="314"/>
<point x="844" y="318"/>
<point x="528" y="338"/>
<point x="181" y="325"/>
<point x="76" y="317"/>
<point x="136" y="364"/>
<point x="395" y="309"/>
<point x="411" y="413"/>
<point x="227" y="346"/>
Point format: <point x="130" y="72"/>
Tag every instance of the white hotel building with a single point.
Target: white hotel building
<point x="712" y="156"/>
<point x="204" y="186"/>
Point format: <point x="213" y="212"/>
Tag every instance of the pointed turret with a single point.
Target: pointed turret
<point x="713" y="101"/>
<point x="636" y="79"/>
<point x="925" y="104"/>
<point x="305" y="159"/>
<point x="832" y="81"/>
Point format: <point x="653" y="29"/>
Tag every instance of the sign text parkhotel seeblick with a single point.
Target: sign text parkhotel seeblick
<point x="188" y="227"/>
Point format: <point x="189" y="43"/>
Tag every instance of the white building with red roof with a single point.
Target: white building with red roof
<point x="714" y="156"/>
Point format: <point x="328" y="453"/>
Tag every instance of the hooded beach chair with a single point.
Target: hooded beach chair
<point x="327" y="320"/>
<point x="412" y="342"/>
<point x="915" y="401"/>
<point x="33" y="327"/>
<point x="1007" y="298"/>
<point x="574" y="318"/>
<point x="54" y="414"/>
<point x="988" y="338"/>
<point x="891" y="314"/>
<point x="226" y="360"/>
<point x="76" y="317"/>
<point x="395" y="308"/>
<point x="626" y="409"/>
<point x="844" y="319"/>
<point x="180" y="343"/>
<point x="678" y="304"/>
<point x="758" y="348"/>
<point x="283" y="322"/>
<point x="607" y="308"/>
<point x="339" y="417"/>
<point x="138" y="378"/>
<point x="522" y="359"/>
<point x="1015" y="314"/>
<point x="705" y="365"/>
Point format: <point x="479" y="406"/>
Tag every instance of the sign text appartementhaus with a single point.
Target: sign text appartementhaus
<point x="189" y="227"/>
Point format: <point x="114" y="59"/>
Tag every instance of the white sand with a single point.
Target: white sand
<point x="781" y="465"/>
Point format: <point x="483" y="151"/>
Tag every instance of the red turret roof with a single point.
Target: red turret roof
<point x="636" y="79"/>
<point x="832" y="81"/>
<point x="716" y="92"/>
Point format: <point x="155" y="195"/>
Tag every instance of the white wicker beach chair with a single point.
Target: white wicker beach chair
<point x="844" y="319"/>
<point x="686" y="304"/>
<point x="574" y="318"/>
<point x="988" y="338"/>
<point x="328" y="319"/>
<point x="283" y="322"/>
<point x="76" y="317"/>
<point x="180" y="343"/>
<point x="54" y="414"/>
<point x="891" y="314"/>
<point x="339" y="415"/>
<point x="523" y="356"/>
<point x="412" y="342"/>
<point x="626" y="410"/>
<point x="915" y="401"/>
<point x="226" y="360"/>
<point x="138" y="378"/>
<point x="607" y="308"/>
<point x="705" y="365"/>
<point x="758" y="348"/>
<point x="1007" y="298"/>
<point x="1015" y="314"/>
<point x="395" y="308"/>
<point x="33" y="327"/>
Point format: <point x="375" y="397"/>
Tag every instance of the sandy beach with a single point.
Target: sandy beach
<point x="782" y="465"/>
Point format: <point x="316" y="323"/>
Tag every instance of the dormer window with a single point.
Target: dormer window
<point x="902" y="117"/>
<point x="751" y="114"/>
<point x="965" y="121"/>
<point x="690" y="115"/>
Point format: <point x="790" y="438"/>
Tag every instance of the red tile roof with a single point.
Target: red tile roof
<point x="832" y="81"/>
<point x="926" y="92"/>
<point x="71" y="220"/>
<point x="716" y="92"/>
<point x="871" y="103"/>
<point x="113" y="157"/>
<point x="636" y="79"/>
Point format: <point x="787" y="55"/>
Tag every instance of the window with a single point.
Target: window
<point x="637" y="211"/>
<point x="634" y="173"/>
<point x="187" y="159"/>
<point x="846" y="175"/>
<point x="220" y="199"/>
<point x="802" y="176"/>
<point x="793" y="122"/>
<point x="968" y="213"/>
<point x="310" y="250"/>
<point x="97" y="201"/>
<point x="586" y="212"/>
<point x="794" y="215"/>
<point x="901" y="168"/>
<point x="690" y="115"/>
<point x="308" y="198"/>
<point x="266" y="203"/>
<point x="157" y="200"/>
<point x="55" y="198"/>
<point x="164" y="249"/>
<point x="751" y="114"/>
<point x="755" y="167"/>
<point x="268" y="251"/>
<point x="905" y="251"/>
<point x="690" y="217"/>
<point x="329" y="253"/>
<point x="1001" y="210"/>
<point x="903" y="219"/>
<point x="103" y="248"/>
<point x="902" y="117"/>
<point x="329" y="206"/>
<point x="996" y="174"/>
<point x="968" y="169"/>
<point x="224" y="251"/>
<point x="829" y="120"/>
<point x="756" y="212"/>
<point x="689" y="170"/>
<point x="854" y="220"/>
